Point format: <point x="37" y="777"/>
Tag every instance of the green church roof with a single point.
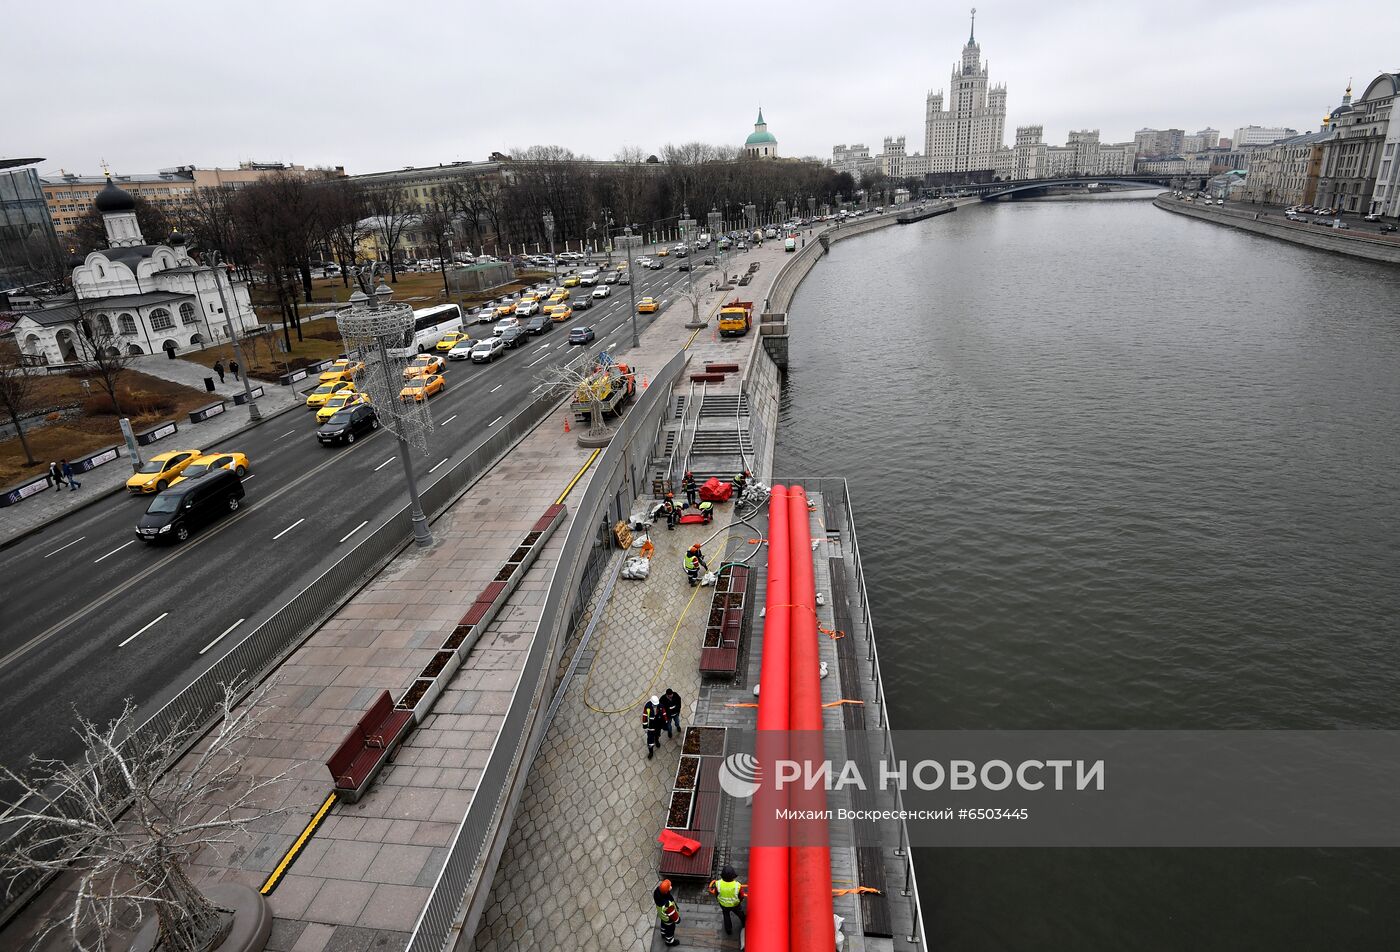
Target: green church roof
<point x="759" y="138"/>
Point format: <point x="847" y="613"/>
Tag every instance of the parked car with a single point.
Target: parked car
<point x="538" y="324"/>
<point x="178" y="510"/>
<point x="347" y="424"/>
<point x="487" y="350"/>
<point x="513" y="337"/>
<point x="580" y="335"/>
<point x="602" y="291"/>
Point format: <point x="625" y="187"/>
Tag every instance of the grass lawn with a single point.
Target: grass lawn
<point x="418" y="289"/>
<point x="145" y="400"/>
<point x="322" y="340"/>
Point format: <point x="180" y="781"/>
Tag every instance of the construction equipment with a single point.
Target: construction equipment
<point x="735" y="318"/>
<point x="609" y="384"/>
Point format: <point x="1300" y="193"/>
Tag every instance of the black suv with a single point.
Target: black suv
<point x="174" y="512"/>
<point x="538" y="324"/>
<point x="513" y="337"/>
<point x="347" y="423"/>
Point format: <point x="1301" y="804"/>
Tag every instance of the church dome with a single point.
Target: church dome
<point x="177" y="239"/>
<point x="114" y="199"/>
<point x="760" y="138"/>
<point x="75" y="260"/>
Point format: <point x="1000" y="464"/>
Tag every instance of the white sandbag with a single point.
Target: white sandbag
<point x="636" y="569"/>
<point x="823" y="670"/>
<point x="640" y="540"/>
<point x="709" y="579"/>
<point x="840" y="937"/>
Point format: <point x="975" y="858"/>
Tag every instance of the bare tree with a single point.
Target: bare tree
<point x="393" y="212"/>
<point x="343" y="217"/>
<point x="18" y="387"/>
<point x="438" y="223"/>
<point x="593" y="384"/>
<point x="101" y="352"/>
<point x="126" y="819"/>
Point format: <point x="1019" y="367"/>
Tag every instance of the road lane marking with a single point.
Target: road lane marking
<point x="62" y="547"/>
<point x="536" y="360"/>
<point x="354" y="530"/>
<point x="495" y="388"/>
<point x="249" y="476"/>
<point x="545" y="347"/>
<point x="114" y="551"/>
<point x="385" y="463"/>
<point x="221" y="637"/>
<point x="288" y="529"/>
<point x="132" y="638"/>
<point x="285" y="435"/>
<point x="494" y="422"/>
<point x="454" y="416"/>
<point x="435" y="468"/>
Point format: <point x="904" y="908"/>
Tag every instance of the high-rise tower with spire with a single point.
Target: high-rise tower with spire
<point x="961" y="141"/>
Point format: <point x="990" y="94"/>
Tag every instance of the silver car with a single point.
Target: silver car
<point x="487" y="350"/>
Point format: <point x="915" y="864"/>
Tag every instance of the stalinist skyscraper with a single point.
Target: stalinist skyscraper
<point x="961" y="141"/>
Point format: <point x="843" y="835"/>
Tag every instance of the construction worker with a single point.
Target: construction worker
<point x="667" y="911"/>
<point x="691" y="490"/>
<point x="670" y="511"/>
<point x="671" y="706"/>
<point x="653" y="719"/>
<point x="694" y="560"/>
<point x="731" y="894"/>
<point x="740" y="482"/>
<point x="707" y="511"/>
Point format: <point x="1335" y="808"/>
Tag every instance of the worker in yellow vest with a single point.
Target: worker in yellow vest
<point x="731" y="895"/>
<point x="694" y="559"/>
<point x="667" y="911"/>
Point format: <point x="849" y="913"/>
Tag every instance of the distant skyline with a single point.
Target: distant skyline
<point x="354" y="84"/>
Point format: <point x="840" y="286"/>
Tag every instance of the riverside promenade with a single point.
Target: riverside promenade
<point x="1384" y="248"/>
<point x="358" y="876"/>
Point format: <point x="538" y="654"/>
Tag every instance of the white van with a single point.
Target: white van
<point x="589" y="277"/>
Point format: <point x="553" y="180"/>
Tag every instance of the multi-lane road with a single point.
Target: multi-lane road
<point x="92" y="616"/>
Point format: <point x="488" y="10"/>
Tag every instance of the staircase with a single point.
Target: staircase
<point x="725" y="405"/>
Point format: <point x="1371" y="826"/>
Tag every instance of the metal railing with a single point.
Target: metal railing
<point x="828" y="485"/>
<point x="474" y="848"/>
<point x="197" y="705"/>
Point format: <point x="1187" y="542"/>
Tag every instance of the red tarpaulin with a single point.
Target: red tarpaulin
<point x="673" y="842"/>
<point x="712" y="490"/>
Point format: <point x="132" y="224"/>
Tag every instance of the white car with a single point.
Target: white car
<point x="602" y="291"/>
<point x="527" y="308"/>
<point x="503" y="323"/>
<point x="644" y="260"/>
<point x="461" y="350"/>
<point x="485" y="351"/>
<point x="589" y="278"/>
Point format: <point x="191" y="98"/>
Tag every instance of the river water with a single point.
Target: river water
<point x="1116" y="468"/>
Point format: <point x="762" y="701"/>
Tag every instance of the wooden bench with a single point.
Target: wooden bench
<point x="718" y="368"/>
<point x="707" y="378"/>
<point x="700" y="866"/>
<point x="368" y="747"/>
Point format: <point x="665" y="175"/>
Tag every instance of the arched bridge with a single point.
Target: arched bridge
<point x="998" y="190"/>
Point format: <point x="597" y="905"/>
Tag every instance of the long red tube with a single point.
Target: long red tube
<point x="812" y="929"/>
<point x="768" y="926"/>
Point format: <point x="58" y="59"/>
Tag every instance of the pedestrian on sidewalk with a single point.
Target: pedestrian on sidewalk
<point x="688" y="484"/>
<point x="671" y="705"/>
<point x="667" y="911"/>
<point x="56" y="476"/>
<point x="233" y="368"/>
<point x="66" y="468"/>
<point x="653" y="718"/>
<point x="731" y="895"/>
<point x="219" y="369"/>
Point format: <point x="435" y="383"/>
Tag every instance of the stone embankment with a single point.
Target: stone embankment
<point x="1371" y="247"/>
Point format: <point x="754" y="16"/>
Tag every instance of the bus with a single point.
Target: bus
<point x="430" y="325"/>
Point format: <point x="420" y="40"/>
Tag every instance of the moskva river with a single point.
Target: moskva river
<point x="1115" y="468"/>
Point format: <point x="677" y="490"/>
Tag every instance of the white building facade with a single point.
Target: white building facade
<point x="1261" y="135"/>
<point x="134" y="297"/>
<point x="963" y="140"/>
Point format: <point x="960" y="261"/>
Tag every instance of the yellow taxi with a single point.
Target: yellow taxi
<point x="342" y="369"/>
<point x="647" y="305"/>
<point x="621" y="267"/>
<point x="318" y="397"/>
<point x="156" y="474"/>
<point x="560" y="296"/>
<point x="572" y="281"/>
<point x="662" y="252"/>
<point x="212" y="461"/>
<point x="336" y="403"/>
<point x="505" y="308"/>
<point x="559" y="313"/>
<point x="451" y="340"/>
<point x="423" y="365"/>
<point x="421" y="388"/>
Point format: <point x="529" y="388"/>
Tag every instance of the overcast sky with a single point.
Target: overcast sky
<point x="375" y="86"/>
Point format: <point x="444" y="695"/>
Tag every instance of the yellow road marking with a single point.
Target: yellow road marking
<point x="577" y="476"/>
<point x="297" y="847"/>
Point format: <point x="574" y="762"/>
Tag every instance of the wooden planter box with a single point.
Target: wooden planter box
<point x="707" y="741"/>
<point x="682" y="803"/>
<point x="687" y="773"/>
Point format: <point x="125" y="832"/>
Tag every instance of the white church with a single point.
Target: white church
<point x="140" y="298"/>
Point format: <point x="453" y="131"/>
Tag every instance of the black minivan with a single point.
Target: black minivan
<point x="173" y="513"/>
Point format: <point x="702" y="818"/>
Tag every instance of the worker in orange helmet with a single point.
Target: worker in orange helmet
<point x="667" y="911"/>
<point x="691" y="490"/>
<point x="694" y="561"/>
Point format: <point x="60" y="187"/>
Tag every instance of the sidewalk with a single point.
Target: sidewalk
<point x="18" y="520"/>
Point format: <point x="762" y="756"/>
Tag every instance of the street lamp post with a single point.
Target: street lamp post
<point x="631" y="285"/>
<point x="375" y="322"/>
<point x="254" y="414"/>
<point x="549" y="231"/>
